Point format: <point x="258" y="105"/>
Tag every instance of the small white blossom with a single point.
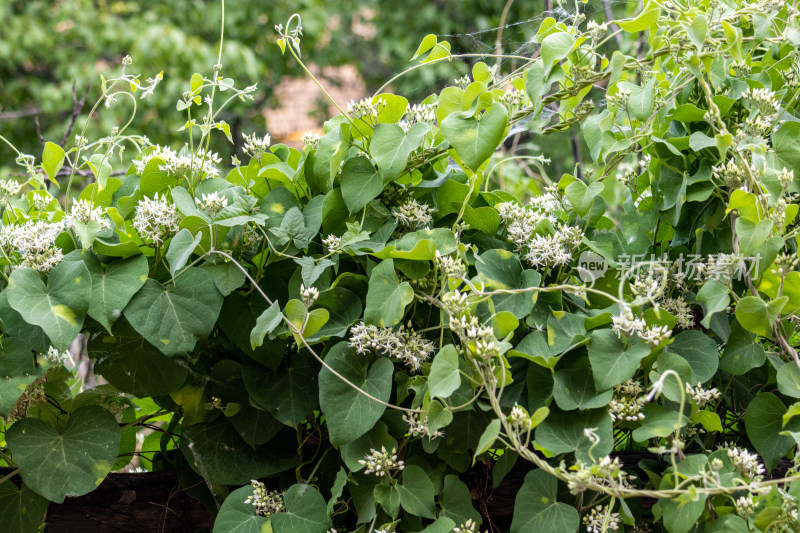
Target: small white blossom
<point x="212" y="203"/>
<point x="266" y="503"/>
<point x="380" y="462"/>
<point x="702" y="396"/>
<point x="311" y="139"/>
<point x="308" y="295"/>
<point x="8" y="189"/>
<point x="82" y="212"/>
<point x="332" y="243"/>
<point x="745" y="462"/>
<point x="34" y="242"/>
<point x="256" y="146"/>
<point x="53" y="356"/>
<point x="595" y="521"/>
<point x="625" y="325"/>
<point x="403" y="344"/>
<point x="418" y="427"/>
<point x="413" y="215"/>
<point x="655" y="335"/>
<point x="156" y="220"/>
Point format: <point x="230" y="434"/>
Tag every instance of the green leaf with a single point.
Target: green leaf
<point x="456" y="501"/>
<point x="445" y="377"/>
<point x="361" y="182"/>
<point x="755" y="315"/>
<point x="311" y="269"/>
<point x="563" y="432"/>
<point x="475" y="140"/>
<point x="174" y="318"/>
<point x="581" y="196"/>
<point x="763" y="421"/>
<point x="387" y="298"/>
<point x="789" y="380"/>
<point x="344" y="310"/>
<point x="148" y="373"/>
<point x="700" y="351"/>
<point x="391" y="146"/>
<point x="659" y="421"/>
<point x="555" y="47"/>
<point x="641" y="100"/>
<point x="101" y="169"/>
<point x="114" y="286"/>
<point x="306" y="512"/>
<point x="611" y="363"/>
<point x="501" y="269"/>
<point x="574" y="388"/>
<point x="742" y="353"/>
<point x="416" y="492"/>
<point x="349" y="413"/>
<point x="644" y="20"/>
<point x="235" y="516"/>
<point x="21" y="510"/>
<point x="376" y="438"/>
<point x="714" y="297"/>
<point x="290" y="393"/>
<point x="59" y="307"/>
<point x="216" y="451"/>
<point x="487" y="439"/>
<point x="74" y="461"/>
<point x="752" y="235"/>
<point x="708" y="419"/>
<point x="786" y="143"/>
<point x="181" y="247"/>
<point x="265" y="324"/>
<point x="388" y="496"/>
<point x="681" y="515"/>
<point x="52" y="159"/>
<point x="293" y="230"/>
<point x="537" y="509"/>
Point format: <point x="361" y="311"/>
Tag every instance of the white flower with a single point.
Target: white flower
<point x="9" y="188"/>
<point x="55" y="357"/>
<point x="702" y="396"/>
<point x="418" y="426"/>
<point x="404" y="344"/>
<point x="655" y="335"/>
<point x="212" y="203"/>
<point x="413" y="215"/>
<point x="266" y="503"/>
<point x="34" y="241"/>
<point x="597" y="518"/>
<point x="625" y="325"/>
<point x="161" y="152"/>
<point x="82" y="212"/>
<point x="255" y="146"/>
<point x="309" y="295"/>
<point x="156" y="220"/>
<point x="746" y="463"/>
<point x="380" y="462"/>
<point x="311" y="139"/>
<point x="332" y="243"/>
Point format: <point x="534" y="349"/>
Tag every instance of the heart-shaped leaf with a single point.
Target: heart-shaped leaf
<point x="236" y="516"/>
<point x="114" y="286"/>
<point x="306" y="512"/>
<point x="173" y="318"/>
<point x="349" y="413"/>
<point x="73" y="462"/>
<point x="537" y="509"/>
<point x="59" y="307"/>
<point x="21" y="510"/>
<point x="475" y="138"/>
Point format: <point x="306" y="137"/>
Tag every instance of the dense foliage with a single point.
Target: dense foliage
<point x="330" y="337"/>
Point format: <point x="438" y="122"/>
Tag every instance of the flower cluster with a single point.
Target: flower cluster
<point x="419" y="113"/>
<point x="679" y="308"/>
<point x="413" y="215"/>
<point x="452" y="267"/>
<point x="82" y="212"/>
<point x="521" y="222"/>
<point x="34" y="241"/>
<point x="702" y="396"/>
<point x="365" y="108"/>
<point x="9" y="189"/>
<point x="480" y="339"/>
<point x="332" y="243"/>
<point x="418" y="426"/>
<point x="455" y="303"/>
<point x="380" y="462"/>
<point x="203" y="163"/>
<point x="255" y="146"/>
<point x="627" y="402"/>
<point x="519" y="419"/>
<point x="53" y="356"/>
<point x="266" y="503"/>
<point x="311" y="139"/>
<point x="745" y="462"/>
<point x="512" y="99"/>
<point x="157" y="152"/>
<point x="308" y="295"/>
<point x="212" y="203"/>
<point x="403" y="344"/>
<point x="601" y="519"/>
<point x="156" y="220"/>
<point x="466" y="527"/>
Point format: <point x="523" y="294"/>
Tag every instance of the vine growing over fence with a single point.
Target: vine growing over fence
<point x="329" y="337"/>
